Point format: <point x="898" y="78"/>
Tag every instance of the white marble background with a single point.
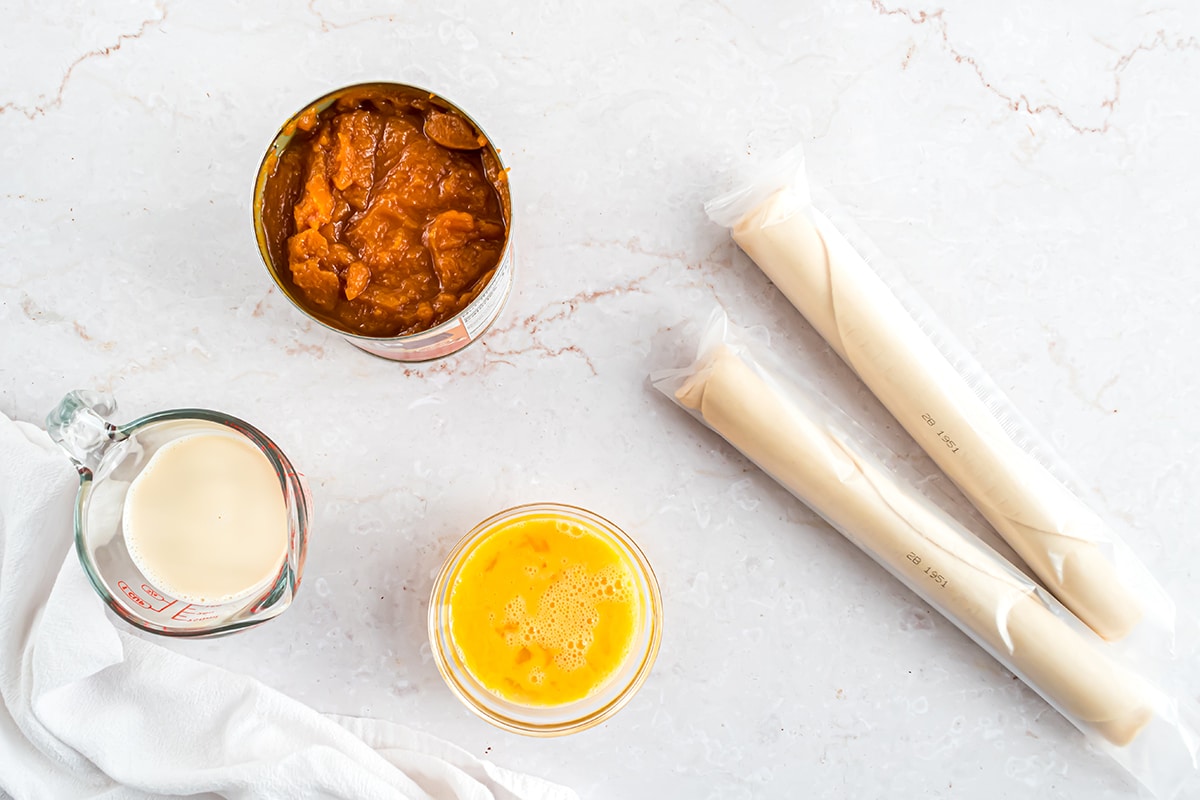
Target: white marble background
<point x="1032" y="167"/>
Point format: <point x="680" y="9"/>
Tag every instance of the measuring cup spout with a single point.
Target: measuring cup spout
<point x="79" y="427"/>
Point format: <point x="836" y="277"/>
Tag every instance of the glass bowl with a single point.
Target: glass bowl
<point x="556" y="720"/>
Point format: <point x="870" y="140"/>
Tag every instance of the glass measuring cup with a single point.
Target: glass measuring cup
<point x="108" y="458"/>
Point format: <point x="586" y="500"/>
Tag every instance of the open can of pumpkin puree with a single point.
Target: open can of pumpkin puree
<point x="382" y="211"/>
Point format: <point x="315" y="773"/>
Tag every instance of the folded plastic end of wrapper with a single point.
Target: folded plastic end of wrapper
<point x="1132" y="608"/>
<point x="1006" y="613"/>
<point x="786" y="175"/>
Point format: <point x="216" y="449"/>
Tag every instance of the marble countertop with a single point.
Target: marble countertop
<point x="1031" y="168"/>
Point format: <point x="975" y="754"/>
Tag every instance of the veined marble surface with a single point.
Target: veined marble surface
<point x="1031" y="167"/>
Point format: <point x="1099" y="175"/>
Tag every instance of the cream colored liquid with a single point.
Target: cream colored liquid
<point x="205" y="520"/>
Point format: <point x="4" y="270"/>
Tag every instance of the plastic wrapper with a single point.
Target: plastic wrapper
<point x="943" y="399"/>
<point x="823" y="458"/>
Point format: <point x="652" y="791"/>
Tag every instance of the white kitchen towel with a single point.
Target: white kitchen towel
<point x="88" y="714"/>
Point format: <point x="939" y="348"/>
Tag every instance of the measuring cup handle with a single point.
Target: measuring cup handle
<point x="79" y="427"/>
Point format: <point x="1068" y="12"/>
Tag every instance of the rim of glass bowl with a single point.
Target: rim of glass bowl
<point x="494" y="709"/>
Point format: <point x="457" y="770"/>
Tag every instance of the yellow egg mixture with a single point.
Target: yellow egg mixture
<point x="544" y="610"/>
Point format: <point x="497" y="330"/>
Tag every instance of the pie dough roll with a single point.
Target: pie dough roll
<point x="925" y="549"/>
<point x="1078" y="558"/>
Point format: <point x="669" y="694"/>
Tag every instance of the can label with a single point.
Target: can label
<point x="486" y="307"/>
<point x="452" y="339"/>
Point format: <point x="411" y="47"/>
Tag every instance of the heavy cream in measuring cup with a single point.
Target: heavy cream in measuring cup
<point x="205" y="520"/>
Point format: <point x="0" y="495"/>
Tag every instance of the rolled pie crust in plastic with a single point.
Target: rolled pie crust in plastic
<point x="927" y="550"/>
<point x="827" y="280"/>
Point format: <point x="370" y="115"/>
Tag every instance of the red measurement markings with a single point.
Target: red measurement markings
<point x="132" y="595"/>
<point x="192" y="613"/>
<point x="161" y="603"/>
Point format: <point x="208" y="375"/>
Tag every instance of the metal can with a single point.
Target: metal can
<point x="445" y="338"/>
